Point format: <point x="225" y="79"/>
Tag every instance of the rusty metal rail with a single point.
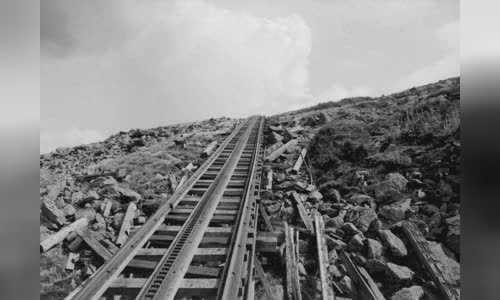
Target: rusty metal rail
<point x="201" y="242"/>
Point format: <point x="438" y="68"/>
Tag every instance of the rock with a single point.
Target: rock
<point x="336" y="244"/>
<point x="77" y="197"/>
<point x="87" y="213"/>
<point x="345" y="284"/>
<point x="453" y="234"/>
<point x="129" y="195"/>
<point x="99" y="219"/>
<point x="396" y="211"/>
<point x="450" y="269"/>
<point x="337" y="221"/>
<point x="393" y="243"/>
<point x="373" y="248"/>
<point x="334" y="270"/>
<point x="302" y="270"/>
<point x="333" y="256"/>
<point x="103" y="181"/>
<point x="397" y="273"/>
<point x="299" y="186"/>
<point x="315" y="196"/>
<point x="391" y="188"/>
<point x="117" y="220"/>
<point x="88" y="197"/>
<point x="362" y="217"/>
<point x="375" y="266"/>
<point x="356" y="243"/>
<point x="303" y="246"/>
<point x="350" y="229"/>
<point x="359" y="199"/>
<point x="414" y="292"/>
<point x="334" y="195"/>
<point x="52" y="213"/>
<point x="69" y="210"/>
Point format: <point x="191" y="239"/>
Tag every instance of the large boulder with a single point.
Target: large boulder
<point x="361" y="217"/>
<point x="397" y="273"/>
<point x="396" y="211"/>
<point x="393" y="243"/>
<point x="360" y="200"/>
<point x="391" y="188"/>
<point x="414" y="292"/>
<point x="373" y="248"/>
<point x="356" y="243"/>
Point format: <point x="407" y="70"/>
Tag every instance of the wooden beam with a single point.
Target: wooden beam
<point x="137" y="283"/>
<point x="72" y="258"/>
<point x="281" y="150"/>
<point x="266" y="219"/>
<point x="447" y="288"/>
<point x="126" y="224"/>
<point x="209" y="150"/>
<point x="300" y="160"/>
<point x="107" y="209"/>
<point x="59" y="236"/>
<point x="292" y="273"/>
<point x="326" y="291"/>
<point x="269" y="185"/>
<point x="263" y="279"/>
<point x="302" y="211"/>
<point x="204" y="271"/>
<point x="365" y="287"/>
<point x="94" y="244"/>
<point x="273" y="148"/>
<point x="181" y="182"/>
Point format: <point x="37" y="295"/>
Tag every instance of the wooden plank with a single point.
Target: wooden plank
<point x="107" y="209"/>
<point x="266" y="219"/>
<point x="181" y="182"/>
<point x="302" y="211"/>
<point x="94" y="244"/>
<point x="126" y="224"/>
<point x="72" y="258"/>
<point x="300" y="160"/>
<point x="326" y="291"/>
<point x="448" y="289"/>
<point x="281" y="150"/>
<point x="209" y="150"/>
<point x="269" y="185"/>
<point x="273" y="148"/>
<point x="363" y="287"/>
<point x="137" y="283"/>
<point x="263" y="279"/>
<point x="59" y="236"/>
<point x="204" y="271"/>
<point x="292" y="274"/>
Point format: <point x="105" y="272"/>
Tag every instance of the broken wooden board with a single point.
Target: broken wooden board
<point x="93" y="243"/>
<point x="281" y="150"/>
<point x="126" y="224"/>
<point x="269" y="185"/>
<point x="365" y="287"/>
<point x="263" y="279"/>
<point x="272" y="148"/>
<point x="326" y="291"/>
<point x="436" y="270"/>
<point x="292" y="273"/>
<point x="302" y="211"/>
<point x="300" y="160"/>
<point x="59" y="236"/>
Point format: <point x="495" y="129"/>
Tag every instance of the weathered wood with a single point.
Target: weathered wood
<point x="302" y="211"/>
<point x="93" y="243"/>
<point x="292" y="273"/>
<point x="269" y="185"/>
<point x="107" y="209"/>
<point x="204" y="271"/>
<point x="281" y="150"/>
<point x="137" y="283"/>
<point x="209" y="150"/>
<point x="173" y="182"/>
<point x="72" y="258"/>
<point x="419" y="243"/>
<point x="126" y="224"/>
<point x="181" y="182"/>
<point x="59" y="236"/>
<point x="75" y="244"/>
<point x="52" y="213"/>
<point x="272" y="148"/>
<point x="266" y="219"/>
<point x="326" y="291"/>
<point x="263" y="279"/>
<point x="300" y="160"/>
<point x="364" y="288"/>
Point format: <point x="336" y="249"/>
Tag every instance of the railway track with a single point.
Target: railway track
<point x="201" y="243"/>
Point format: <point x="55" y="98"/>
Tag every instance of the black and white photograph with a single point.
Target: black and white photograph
<point x="240" y="150"/>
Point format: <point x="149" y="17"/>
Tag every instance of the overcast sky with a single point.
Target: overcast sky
<point x="120" y="64"/>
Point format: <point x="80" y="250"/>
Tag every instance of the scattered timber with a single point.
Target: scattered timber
<point x="58" y="237"/>
<point x="302" y="211"/>
<point x="266" y="219"/>
<point x="263" y="279"/>
<point x="300" y="160"/>
<point x="72" y="259"/>
<point x="364" y="285"/>
<point x="273" y="148"/>
<point x="269" y="185"/>
<point x="326" y="291"/>
<point x="292" y="273"/>
<point x="126" y="224"/>
<point x="281" y="150"/>
<point x="430" y="261"/>
<point x="93" y="243"/>
<point x="209" y="150"/>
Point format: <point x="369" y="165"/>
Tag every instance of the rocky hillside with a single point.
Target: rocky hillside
<point x="99" y="180"/>
<point x="372" y="163"/>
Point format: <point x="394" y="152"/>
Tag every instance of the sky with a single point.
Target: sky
<point x="114" y="65"/>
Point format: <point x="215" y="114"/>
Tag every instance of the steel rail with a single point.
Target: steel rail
<point x="232" y="275"/>
<point x="95" y="286"/>
<point x="165" y="280"/>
